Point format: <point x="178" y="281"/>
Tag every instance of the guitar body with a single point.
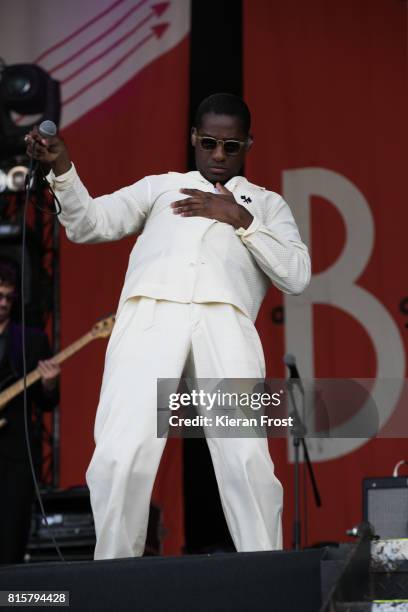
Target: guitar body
<point x="101" y="329"/>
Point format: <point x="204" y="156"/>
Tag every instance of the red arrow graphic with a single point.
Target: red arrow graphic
<point x="108" y="49"/>
<point x="159" y="30"/>
<point x="156" y="31"/>
<point x="160" y="8"/>
<point x="99" y="37"/>
<point x="81" y="29"/>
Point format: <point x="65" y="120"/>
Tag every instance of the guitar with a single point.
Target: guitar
<point x="102" y="329"/>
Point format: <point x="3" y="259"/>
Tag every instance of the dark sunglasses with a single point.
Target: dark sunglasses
<point x="9" y="297"/>
<point x="231" y="147"/>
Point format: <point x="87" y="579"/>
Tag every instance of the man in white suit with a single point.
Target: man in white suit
<point x="210" y="245"/>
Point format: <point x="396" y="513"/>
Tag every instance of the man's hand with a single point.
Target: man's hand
<point x="222" y="207"/>
<point x="50" y="151"/>
<point x="49" y="370"/>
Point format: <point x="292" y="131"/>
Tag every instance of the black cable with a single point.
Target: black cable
<point x="56" y="200"/>
<point x="23" y="343"/>
<point x="30" y="176"/>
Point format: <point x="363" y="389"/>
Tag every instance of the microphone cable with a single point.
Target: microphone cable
<point x="29" y="178"/>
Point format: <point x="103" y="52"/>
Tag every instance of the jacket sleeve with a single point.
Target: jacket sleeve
<point x="102" y="219"/>
<point x="277" y="247"/>
<point x="43" y="399"/>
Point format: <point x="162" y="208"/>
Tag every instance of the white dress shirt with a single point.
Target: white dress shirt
<point x="190" y="259"/>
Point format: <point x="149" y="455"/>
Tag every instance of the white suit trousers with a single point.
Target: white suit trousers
<point x="157" y="339"/>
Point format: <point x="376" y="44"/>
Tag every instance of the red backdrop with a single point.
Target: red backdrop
<point x="326" y="84"/>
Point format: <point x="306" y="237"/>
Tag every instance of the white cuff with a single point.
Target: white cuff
<point x="253" y="227"/>
<point x="62" y="181"/>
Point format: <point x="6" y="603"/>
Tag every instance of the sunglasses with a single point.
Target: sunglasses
<point x="9" y="297"/>
<point x="231" y="147"/>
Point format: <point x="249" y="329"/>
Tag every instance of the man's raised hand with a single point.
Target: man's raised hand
<point x="220" y="206"/>
<point x="50" y="151"/>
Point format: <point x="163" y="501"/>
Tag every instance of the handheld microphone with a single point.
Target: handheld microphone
<point x="47" y="129"/>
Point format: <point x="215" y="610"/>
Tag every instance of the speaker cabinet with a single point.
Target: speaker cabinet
<point x="385" y="506"/>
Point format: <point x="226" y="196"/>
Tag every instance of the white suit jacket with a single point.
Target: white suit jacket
<point x="191" y="259"/>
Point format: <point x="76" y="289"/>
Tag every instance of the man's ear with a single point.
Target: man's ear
<point x="193" y="136"/>
<point x="250" y="142"/>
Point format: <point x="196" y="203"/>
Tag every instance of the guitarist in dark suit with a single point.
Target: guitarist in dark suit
<point x="16" y="486"/>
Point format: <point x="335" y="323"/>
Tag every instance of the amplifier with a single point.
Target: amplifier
<point x="69" y="516"/>
<point x="385" y="505"/>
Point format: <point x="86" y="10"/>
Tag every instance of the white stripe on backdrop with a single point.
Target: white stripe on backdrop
<point x="92" y="48"/>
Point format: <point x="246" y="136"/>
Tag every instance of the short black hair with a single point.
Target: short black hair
<point x="8" y="274"/>
<point x="224" y="104"/>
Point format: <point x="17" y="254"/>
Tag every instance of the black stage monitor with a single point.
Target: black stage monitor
<point x="385" y="505"/>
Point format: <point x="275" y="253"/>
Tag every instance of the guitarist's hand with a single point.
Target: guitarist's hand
<point x="49" y="370"/>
